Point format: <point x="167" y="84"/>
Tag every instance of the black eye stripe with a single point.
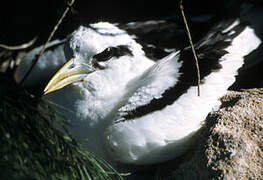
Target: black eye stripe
<point x="113" y="52"/>
<point x="123" y="50"/>
<point x="104" y="55"/>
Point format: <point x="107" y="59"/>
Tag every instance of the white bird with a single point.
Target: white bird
<point x="134" y="110"/>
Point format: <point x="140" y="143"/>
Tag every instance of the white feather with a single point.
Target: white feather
<point x="130" y="81"/>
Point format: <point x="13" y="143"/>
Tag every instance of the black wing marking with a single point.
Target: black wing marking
<point x="159" y="37"/>
<point x="209" y="50"/>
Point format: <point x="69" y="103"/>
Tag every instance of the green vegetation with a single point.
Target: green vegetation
<point x="32" y="148"/>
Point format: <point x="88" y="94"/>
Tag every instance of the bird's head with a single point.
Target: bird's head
<point x="98" y="47"/>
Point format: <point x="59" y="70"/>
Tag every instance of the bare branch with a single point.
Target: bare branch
<point x="19" y="47"/>
<point x="192" y="46"/>
<point x="69" y="4"/>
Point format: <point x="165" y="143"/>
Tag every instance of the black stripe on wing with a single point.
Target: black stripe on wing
<point x="209" y="51"/>
<point x="159" y="37"/>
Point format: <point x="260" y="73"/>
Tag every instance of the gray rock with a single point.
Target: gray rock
<point x="230" y="144"/>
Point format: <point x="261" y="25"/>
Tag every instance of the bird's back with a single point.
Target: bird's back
<point x="153" y="129"/>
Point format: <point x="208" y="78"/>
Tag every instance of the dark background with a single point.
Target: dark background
<point x="20" y="20"/>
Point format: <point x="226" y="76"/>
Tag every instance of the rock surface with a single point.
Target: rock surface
<point x="229" y="146"/>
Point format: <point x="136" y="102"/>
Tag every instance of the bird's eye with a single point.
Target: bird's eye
<point x="105" y="55"/>
<point x="112" y="52"/>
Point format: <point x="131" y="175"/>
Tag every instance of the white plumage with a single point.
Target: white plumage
<point x="104" y="97"/>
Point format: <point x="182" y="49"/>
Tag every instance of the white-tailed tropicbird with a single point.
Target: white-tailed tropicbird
<point x="138" y="111"/>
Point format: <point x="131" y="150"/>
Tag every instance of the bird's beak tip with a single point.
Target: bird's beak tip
<point x="46" y="91"/>
<point x="51" y="86"/>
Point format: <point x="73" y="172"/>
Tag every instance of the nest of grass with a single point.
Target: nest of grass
<point x="31" y="146"/>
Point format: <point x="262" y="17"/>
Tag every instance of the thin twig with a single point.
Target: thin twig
<point x="69" y="4"/>
<point x="192" y="46"/>
<point x="19" y="47"/>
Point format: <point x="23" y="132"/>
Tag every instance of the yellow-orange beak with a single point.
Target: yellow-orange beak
<point x="68" y="74"/>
